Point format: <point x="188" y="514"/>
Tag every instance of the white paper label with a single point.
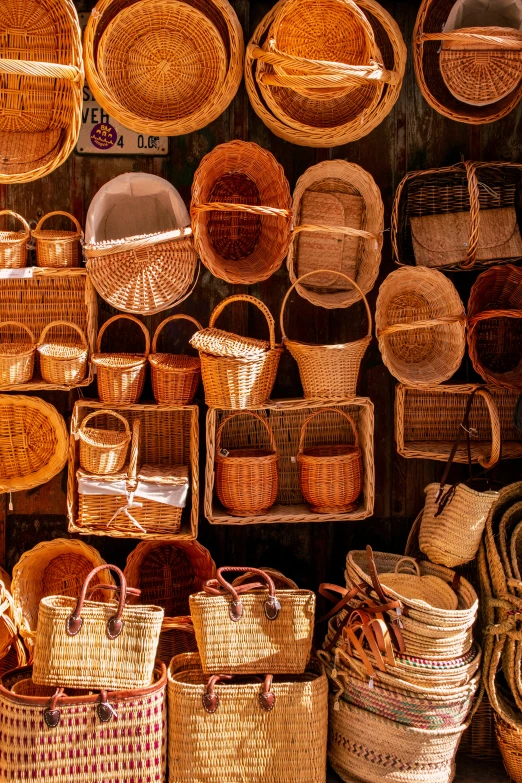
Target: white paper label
<point x="16" y="274"/>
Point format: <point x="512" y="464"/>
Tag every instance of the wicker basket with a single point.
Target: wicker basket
<point x="184" y="62"/>
<point x="8" y="622"/>
<point x="13" y="244"/>
<point x="246" y="630"/>
<point x="330" y="476"/>
<point x="57" y="248"/>
<point x="175" y="377"/>
<point x="63" y="361"/>
<point x="510" y="743"/>
<point x="237" y="372"/>
<point x="103" y="451"/>
<point x="42" y="78"/>
<point x="241" y="212"/>
<point x="121" y="376"/>
<point x="328" y="371"/>
<point x="348" y="99"/>
<point x="338" y="215"/>
<point x="479" y="741"/>
<point x="176" y="638"/>
<point x="17" y="352"/>
<point x="421" y="326"/>
<point x="459" y="217"/>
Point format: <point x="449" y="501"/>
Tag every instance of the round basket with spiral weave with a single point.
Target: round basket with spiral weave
<point x="13" y="244"/>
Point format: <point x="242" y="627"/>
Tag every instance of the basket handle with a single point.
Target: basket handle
<point x="422" y="324"/>
<point x="223" y="206"/>
<point x="107" y="413"/>
<point x="487" y="314"/>
<point x="513" y="41"/>
<point x="317" y="272"/>
<point x="235" y="609"/>
<point x="74" y="622"/>
<point x="20" y="326"/>
<point x="64" y="214"/>
<point x="129" y="318"/>
<point x="132" y="592"/>
<point x="33" y="68"/>
<point x="327" y="410"/>
<point x="178" y="317"/>
<point x="322" y="229"/>
<point x="107" y="248"/>
<point x="289" y="583"/>
<point x="210" y="698"/>
<point x="264" y="422"/>
<point x="70" y="324"/>
<point x="409" y="564"/>
<point x="251" y="300"/>
<point x="134" y="451"/>
<point x="16" y="216"/>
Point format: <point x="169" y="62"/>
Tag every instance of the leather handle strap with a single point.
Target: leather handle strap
<point x="74" y="622"/>
<point x="132" y="592"/>
<point x="212" y="587"/>
<point x="210" y="698"/>
<point x="444" y="498"/>
<point x="52" y="713"/>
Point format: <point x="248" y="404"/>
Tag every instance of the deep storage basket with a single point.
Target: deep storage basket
<point x="510" y="743"/>
<point x="63" y="360"/>
<point x="103" y="451"/>
<point x="121" y="376"/>
<point x="17" y="352"/>
<point x="57" y="248"/>
<point x="250" y="631"/>
<point x="13" y="244"/>
<point x="241" y="212"/>
<point x="175" y="377"/>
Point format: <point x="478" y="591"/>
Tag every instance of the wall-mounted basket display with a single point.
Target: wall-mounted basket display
<point x="13" y="244"/>
<point x="57" y="248"/>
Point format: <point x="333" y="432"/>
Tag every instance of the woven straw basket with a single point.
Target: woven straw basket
<point x="241" y="212"/>
<point x="13" y="244"/>
<point x="57" y="248"/>
<point x="103" y="451"/>
<point x="9" y="619"/>
<point x="328" y="371"/>
<point x="247" y="630"/>
<point x="300" y="84"/>
<point x="283" y="726"/>
<point x="175" y="377"/>
<point x="247" y="480"/>
<point x="237" y="372"/>
<point x="63" y="361"/>
<point x="17" y="352"/>
<point x="338" y="215"/>
<point x="421" y="326"/>
<point x="121" y="376"/>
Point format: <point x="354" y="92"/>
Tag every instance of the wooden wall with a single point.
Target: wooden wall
<point x="412" y="137"/>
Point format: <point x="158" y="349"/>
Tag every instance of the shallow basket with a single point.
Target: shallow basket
<point x="13" y="244"/>
<point x="175" y="377"/>
<point x="57" y="248"/>
<point x="103" y="451"/>
<point x="17" y="352"/>
<point x="63" y="361"/>
<point x="121" y="376"/>
<point x="241" y="212"/>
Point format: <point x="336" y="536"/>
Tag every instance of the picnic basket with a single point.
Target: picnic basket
<point x="120" y="376"/>
<point x="57" y="248"/>
<point x="13" y="244"/>
<point x="103" y="451"/>
<point x="17" y="353"/>
<point x="63" y="359"/>
<point x="175" y="377"/>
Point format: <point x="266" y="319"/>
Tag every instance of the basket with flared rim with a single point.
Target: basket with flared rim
<point x="103" y="451"/>
<point x="17" y="352"/>
<point x="13" y="244"/>
<point x="247" y="479"/>
<point x="63" y="361"/>
<point x="330" y="476"/>
<point x="57" y="248"/>
<point x="175" y="377"/>
<point x="121" y="376"/>
<point x="328" y="371"/>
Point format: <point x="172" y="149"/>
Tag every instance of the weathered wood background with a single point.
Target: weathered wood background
<point x="412" y="137"/>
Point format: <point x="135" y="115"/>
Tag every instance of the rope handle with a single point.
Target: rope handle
<point x="70" y="324"/>
<point x="250" y="300"/>
<point x="511" y="40"/>
<point x="20" y="325"/>
<point x="115" y="624"/>
<point x="34" y="68"/>
<point x="422" y="324"/>
<point x="264" y="422"/>
<point x="23" y="221"/>
<point x="128" y="318"/>
<point x="216" y="586"/>
<point x="407" y="565"/>
<point x="317" y="272"/>
<point x="322" y="229"/>
<point x="106" y="413"/>
<point x="327" y="410"/>
<point x="52" y="214"/>
<point x="178" y="317"/>
<point x="223" y="206"/>
<point x="99" y="249"/>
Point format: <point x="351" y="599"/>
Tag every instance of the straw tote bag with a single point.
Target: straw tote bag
<point x="252" y="628"/>
<point x="87" y="644"/>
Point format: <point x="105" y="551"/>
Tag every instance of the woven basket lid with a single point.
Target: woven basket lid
<point x="429" y="589"/>
<point x="218" y="342"/>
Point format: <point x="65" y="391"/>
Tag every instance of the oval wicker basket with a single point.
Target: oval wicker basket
<point x="241" y="212"/>
<point x="421" y="326"/>
<point x="330" y="476"/>
<point x="247" y="480"/>
<point x="338" y="215"/>
<point x="63" y="360"/>
<point x="13" y="244"/>
<point x="175" y="377"/>
<point x="121" y="376"/>
<point x="103" y="451"/>
<point x="328" y="371"/>
<point x="17" y="353"/>
<point x="57" y="248"/>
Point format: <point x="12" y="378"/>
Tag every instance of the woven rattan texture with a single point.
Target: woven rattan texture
<point x="17" y="353"/>
<point x="13" y="243"/>
<point x="175" y="377"/>
<point x="63" y="360"/>
<point x="104" y="451"/>
<point x="121" y="376"/>
<point x="57" y="249"/>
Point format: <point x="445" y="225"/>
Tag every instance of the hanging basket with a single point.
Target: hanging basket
<point x="421" y="326"/>
<point x="328" y="371"/>
<point x="241" y="212"/>
<point x="63" y="361"/>
<point x="247" y="480"/>
<point x="17" y="352"/>
<point x="13" y="244"/>
<point x="175" y="377"/>
<point x="103" y="451"/>
<point x="57" y="248"/>
<point x="121" y="376"/>
<point x="330" y="476"/>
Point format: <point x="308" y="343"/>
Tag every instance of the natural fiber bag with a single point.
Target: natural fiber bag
<point x="244" y="630"/>
<point x="87" y="644"/>
<point x="232" y="730"/>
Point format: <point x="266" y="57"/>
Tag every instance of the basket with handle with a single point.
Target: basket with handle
<point x="175" y="377"/>
<point x="328" y="371"/>
<point x="57" y="248"/>
<point x="121" y="376"/>
<point x="237" y="372"/>
<point x="103" y="451"/>
<point x="252" y="627"/>
<point x="17" y="352"/>
<point x="247" y="479"/>
<point x="63" y="361"/>
<point x="330" y="476"/>
<point x="13" y="244"/>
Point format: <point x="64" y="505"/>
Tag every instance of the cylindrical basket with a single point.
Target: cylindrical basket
<point x="13" y="244"/>
<point x="247" y="480"/>
<point x="103" y="451"/>
<point x="175" y="377"/>
<point x="17" y="352"/>
<point x="63" y="361"/>
<point x="121" y="376"/>
<point x="57" y="248"/>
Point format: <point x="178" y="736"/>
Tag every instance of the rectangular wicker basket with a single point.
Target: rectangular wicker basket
<point x="286" y="418"/>
<point x="45" y="296"/>
<point x="169" y="437"/>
